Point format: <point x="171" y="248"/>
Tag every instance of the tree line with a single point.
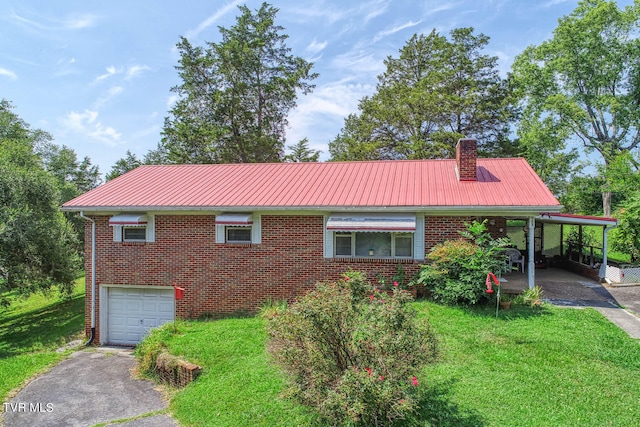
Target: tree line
<point x="577" y="91"/>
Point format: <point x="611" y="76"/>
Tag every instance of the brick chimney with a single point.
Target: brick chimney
<point x="466" y="155"/>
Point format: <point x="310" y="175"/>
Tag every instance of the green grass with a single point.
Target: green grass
<point x="237" y="387"/>
<point x="559" y="367"/>
<point x="548" y="367"/>
<point x="32" y="329"/>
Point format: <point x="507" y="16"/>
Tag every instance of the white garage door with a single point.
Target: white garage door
<point x="133" y="311"/>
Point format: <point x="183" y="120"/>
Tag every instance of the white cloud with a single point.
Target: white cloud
<point x="377" y="7"/>
<point x="134" y="70"/>
<point x="315" y="46"/>
<point x="441" y="8"/>
<point x="111" y="70"/>
<point x="78" y="22"/>
<point x="87" y="124"/>
<point x="45" y="23"/>
<point x="212" y="19"/>
<point x="320" y="115"/>
<point x="362" y="63"/>
<point x="8" y="73"/>
<point x="111" y="93"/>
<point x="394" y="30"/>
<point x="318" y="11"/>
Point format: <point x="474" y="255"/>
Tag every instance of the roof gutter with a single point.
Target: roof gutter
<point x="93" y="277"/>
<point x="524" y="211"/>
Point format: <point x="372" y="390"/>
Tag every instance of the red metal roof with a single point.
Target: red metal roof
<point x="390" y="184"/>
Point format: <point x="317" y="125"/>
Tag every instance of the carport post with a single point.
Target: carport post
<point x="531" y="265"/>
<point x="603" y="268"/>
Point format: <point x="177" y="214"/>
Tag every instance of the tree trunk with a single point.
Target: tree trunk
<point x="606" y="203"/>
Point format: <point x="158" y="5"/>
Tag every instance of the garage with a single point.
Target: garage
<point x="132" y="311"/>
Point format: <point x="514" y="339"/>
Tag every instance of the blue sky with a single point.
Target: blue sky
<point x="97" y="74"/>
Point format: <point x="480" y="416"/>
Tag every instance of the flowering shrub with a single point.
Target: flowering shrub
<point x="458" y="268"/>
<point x="352" y="352"/>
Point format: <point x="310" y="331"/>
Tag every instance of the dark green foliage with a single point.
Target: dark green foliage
<point x="38" y="246"/>
<point x="626" y="238"/>
<point x="352" y="352"/>
<point x="235" y="95"/>
<point x="584" y="82"/>
<point x="124" y="165"/>
<point x="302" y="153"/>
<point x="437" y="91"/>
<point x="458" y="269"/>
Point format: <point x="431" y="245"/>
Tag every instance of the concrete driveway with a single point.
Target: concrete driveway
<point x="627" y="296"/>
<point x="91" y="387"/>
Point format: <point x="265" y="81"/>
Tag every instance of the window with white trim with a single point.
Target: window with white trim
<point x="373" y="244"/>
<point x="238" y="228"/>
<point x="133" y="228"/>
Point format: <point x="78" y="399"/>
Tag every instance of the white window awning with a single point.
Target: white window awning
<point x="372" y="222"/>
<point x="128" y="219"/>
<point x="235" y="219"/>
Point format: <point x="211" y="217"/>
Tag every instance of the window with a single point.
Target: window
<point x="133" y="227"/>
<point x="134" y="234"/>
<point x="373" y="244"/>
<point x="343" y="244"/>
<point x="238" y="234"/>
<point x="238" y="228"/>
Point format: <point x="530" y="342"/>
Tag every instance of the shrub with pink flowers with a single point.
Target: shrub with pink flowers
<point x="352" y="352"/>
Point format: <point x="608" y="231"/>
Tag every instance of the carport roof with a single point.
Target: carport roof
<point x="564" y="218"/>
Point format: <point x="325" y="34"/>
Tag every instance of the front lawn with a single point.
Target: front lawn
<point x="553" y="366"/>
<point x="30" y="332"/>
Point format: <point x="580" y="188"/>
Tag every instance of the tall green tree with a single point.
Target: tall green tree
<point x="301" y="152"/>
<point x="129" y="162"/>
<point x="74" y="176"/>
<point x="586" y="78"/>
<point x="235" y="95"/>
<point x="543" y="142"/>
<point x="437" y="91"/>
<point x="37" y="243"/>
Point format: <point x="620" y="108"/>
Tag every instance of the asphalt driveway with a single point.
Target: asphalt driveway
<point x="91" y="387"/>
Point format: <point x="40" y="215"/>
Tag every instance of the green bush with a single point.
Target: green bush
<point x="351" y="351"/>
<point x="458" y="268"/>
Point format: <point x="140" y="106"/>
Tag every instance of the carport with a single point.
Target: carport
<point x="577" y="243"/>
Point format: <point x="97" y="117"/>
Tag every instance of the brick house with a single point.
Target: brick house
<point x="236" y="235"/>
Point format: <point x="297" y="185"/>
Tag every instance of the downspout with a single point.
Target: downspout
<point x="93" y="277"/>
<point x="603" y="268"/>
<point x="531" y="265"/>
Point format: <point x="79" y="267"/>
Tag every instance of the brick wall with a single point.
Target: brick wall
<point x="235" y="278"/>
